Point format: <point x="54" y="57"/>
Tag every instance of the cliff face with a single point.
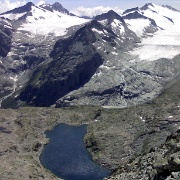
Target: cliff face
<point x="5" y="36"/>
<point x="75" y="61"/>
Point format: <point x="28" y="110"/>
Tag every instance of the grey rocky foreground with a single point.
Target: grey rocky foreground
<point x="159" y="163"/>
<point x="114" y="137"/>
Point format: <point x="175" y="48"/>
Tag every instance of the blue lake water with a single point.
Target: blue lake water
<point x="67" y="157"/>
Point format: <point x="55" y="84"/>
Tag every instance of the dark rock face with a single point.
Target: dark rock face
<point x="116" y="23"/>
<point x="130" y="10"/>
<point x="137" y="15"/>
<point x="110" y="15"/>
<point x="56" y="6"/>
<point x="5" y="36"/>
<point x="22" y="9"/>
<point x="75" y="62"/>
<point x="32" y="61"/>
<point x="171" y="8"/>
<point x="146" y="6"/>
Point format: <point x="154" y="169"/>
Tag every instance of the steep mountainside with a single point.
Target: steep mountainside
<point x="55" y="7"/>
<point x="43" y="19"/>
<point x="120" y="75"/>
<point x="65" y="72"/>
<point x="112" y="60"/>
<point x="137" y="75"/>
<point x="6" y="31"/>
<point x="24" y="46"/>
<point x="75" y="60"/>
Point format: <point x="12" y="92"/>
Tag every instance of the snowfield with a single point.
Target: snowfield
<point x="13" y="16"/>
<point x="44" y="22"/>
<point x="165" y="43"/>
<point x="138" y="25"/>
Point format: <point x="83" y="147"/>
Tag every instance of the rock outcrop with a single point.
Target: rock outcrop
<point x="160" y="163"/>
<point x="6" y="32"/>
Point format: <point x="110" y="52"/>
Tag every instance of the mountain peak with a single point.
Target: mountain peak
<point x="110" y="15"/>
<point x="130" y="10"/>
<point x="147" y="6"/>
<point x="57" y="4"/>
<point x="55" y="7"/>
<point x="58" y="7"/>
<point x="171" y="8"/>
<point x="29" y="4"/>
<point x="26" y="8"/>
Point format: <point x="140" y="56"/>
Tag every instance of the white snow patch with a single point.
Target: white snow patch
<point x="96" y="120"/>
<point x="163" y="11"/>
<point x="99" y="47"/>
<point x="44" y="22"/>
<point x="142" y="119"/>
<point x="160" y="20"/>
<point x="8" y="26"/>
<point x="13" y="78"/>
<point x="114" y="53"/>
<point x="167" y="41"/>
<point x="170" y="117"/>
<point x="138" y="25"/>
<point x="97" y="74"/>
<point x="103" y="22"/>
<point x="95" y="30"/>
<point x="116" y="24"/>
<point x="106" y="67"/>
<point x="13" y="16"/>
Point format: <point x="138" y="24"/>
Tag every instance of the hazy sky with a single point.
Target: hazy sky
<point x="123" y="4"/>
<point x="73" y="4"/>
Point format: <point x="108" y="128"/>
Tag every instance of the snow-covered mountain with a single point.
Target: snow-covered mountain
<point x="43" y="19"/>
<point x="112" y="60"/>
<point x="152" y="18"/>
<point x="55" y="7"/>
<point x="116" y="23"/>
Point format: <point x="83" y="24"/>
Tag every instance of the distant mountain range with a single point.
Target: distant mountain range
<point x="50" y="57"/>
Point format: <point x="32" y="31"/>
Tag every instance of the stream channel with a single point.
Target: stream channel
<point x="67" y="157"/>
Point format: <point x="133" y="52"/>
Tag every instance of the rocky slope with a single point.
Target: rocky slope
<point x="110" y="61"/>
<point x="133" y="74"/>
<point x="23" y="50"/>
<point x="68" y="70"/>
<point x="159" y="163"/>
<point x="75" y="61"/>
<point x="6" y="31"/>
<point x="114" y="136"/>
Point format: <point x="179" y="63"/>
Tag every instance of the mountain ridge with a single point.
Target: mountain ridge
<point x="118" y="42"/>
